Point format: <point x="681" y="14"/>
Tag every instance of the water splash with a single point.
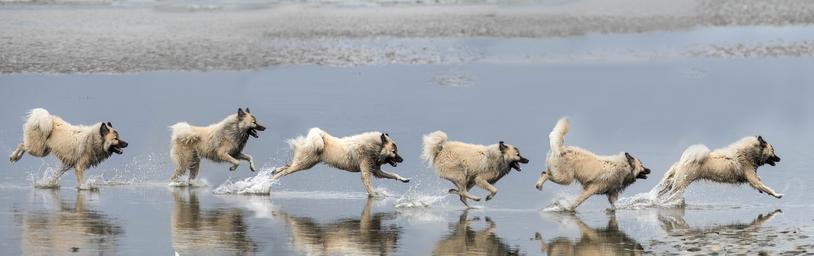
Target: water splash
<point x="656" y="197"/>
<point x="560" y="204"/>
<point x="260" y="184"/>
<point x="49" y="178"/>
<point x="197" y="183"/>
<point x="417" y="199"/>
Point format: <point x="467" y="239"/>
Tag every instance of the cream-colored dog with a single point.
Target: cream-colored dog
<point x="77" y="146"/>
<point x="599" y="175"/>
<point x="364" y="153"/>
<point x="735" y="164"/>
<point x="467" y="165"/>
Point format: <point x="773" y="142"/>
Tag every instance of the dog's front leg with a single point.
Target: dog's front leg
<point x="247" y="157"/>
<point x="366" y="182"/>
<point x="389" y="175"/>
<point x="223" y="155"/>
<point x="488" y="187"/>
<point x="586" y="193"/>
<point x="755" y="182"/>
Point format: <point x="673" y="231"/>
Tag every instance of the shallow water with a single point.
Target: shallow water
<point x="649" y="106"/>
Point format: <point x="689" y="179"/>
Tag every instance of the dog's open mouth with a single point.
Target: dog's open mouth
<point x="394" y="161"/>
<point x="117" y="148"/>
<point x="773" y="160"/>
<point x="516" y="164"/>
<point x="252" y="133"/>
<point x="643" y="174"/>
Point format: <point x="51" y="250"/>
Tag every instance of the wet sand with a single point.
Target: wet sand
<point x="166" y="36"/>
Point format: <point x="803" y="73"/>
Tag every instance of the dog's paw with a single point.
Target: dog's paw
<point x="489" y="197"/>
<point x="539" y="187"/>
<point x="234" y="167"/>
<point x="405" y="180"/>
<point x="251" y="167"/>
<point x="778" y="196"/>
<point x="476" y="199"/>
<point x="452" y="191"/>
<point x="538" y="236"/>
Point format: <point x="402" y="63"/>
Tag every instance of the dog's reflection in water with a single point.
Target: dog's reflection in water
<point x="593" y="241"/>
<point x="464" y="240"/>
<point x="367" y="235"/>
<point x="197" y="231"/>
<point x="68" y="227"/>
<point x="732" y="238"/>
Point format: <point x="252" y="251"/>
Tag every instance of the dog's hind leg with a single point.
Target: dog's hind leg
<point x="755" y="182"/>
<point x="389" y="175"/>
<point x="80" y="177"/>
<point x="193" y="170"/>
<point x="463" y="191"/>
<point x="301" y="162"/>
<point x="18" y="153"/>
<point x="488" y="187"/>
<point x="247" y="157"/>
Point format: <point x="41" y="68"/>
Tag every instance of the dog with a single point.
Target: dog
<point x="735" y="164"/>
<point x="219" y="142"/>
<point x="76" y="146"/>
<point x="364" y="153"/>
<point x="467" y="165"/>
<point x="599" y="175"/>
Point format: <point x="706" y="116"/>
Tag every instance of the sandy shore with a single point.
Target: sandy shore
<point x="81" y="38"/>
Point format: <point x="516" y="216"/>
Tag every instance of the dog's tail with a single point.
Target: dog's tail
<point x="433" y="143"/>
<point x="309" y="143"/>
<point x="183" y="133"/>
<point x="36" y="130"/>
<point x="557" y="136"/>
<point x="692" y="157"/>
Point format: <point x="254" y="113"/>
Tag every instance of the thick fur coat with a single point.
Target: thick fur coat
<point x="76" y="146"/>
<point x="599" y="175"/>
<point x="364" y="153"/>
<point x="735" y="164"/>
<point x="467" y="165"/>
<point x="219" y="142"/>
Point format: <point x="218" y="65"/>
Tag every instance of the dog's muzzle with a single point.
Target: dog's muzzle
<point x="516" y="164"/>
<point x="253" y="131"/>
<point x="773" y="160"/>
<point x="393" y="161"/>
<point x="118" y="147"/>
<point x="643" y="174"/>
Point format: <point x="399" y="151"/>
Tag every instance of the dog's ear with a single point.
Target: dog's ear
<point x="247" y="110"/>
<point x="109" y="125"/>
<point x="630" y="159"/>
<point x="240" y="113"/>
<point x="761" y="141"/>
<point x="104" y="130"/>
<point x="502" y="146"/>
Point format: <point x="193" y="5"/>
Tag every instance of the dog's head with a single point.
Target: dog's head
<point x="512" y="155"/>
<point x="636" y="167"/>
<point x="389" y="152"/>
<point x="765" y="153"/>
<point x="110" y="139"/>
<point x="247" y="122"/>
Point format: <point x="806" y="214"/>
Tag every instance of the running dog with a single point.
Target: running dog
<point x="364" y="153"/>
<point x="467" y="165"/>
<point x="219" y="142"/>
<point x="735" y="164"/>
<point x="599" y="175"/>
<point x="76" y="146"/>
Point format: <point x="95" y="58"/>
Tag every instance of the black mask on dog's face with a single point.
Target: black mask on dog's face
<point x="512" y="154"/>
<point x="767" y="152"/>
<point x="389" y="151"/>
<point x="638" y="169"/>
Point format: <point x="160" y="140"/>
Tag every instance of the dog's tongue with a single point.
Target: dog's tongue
<point x="116" y="150"/>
